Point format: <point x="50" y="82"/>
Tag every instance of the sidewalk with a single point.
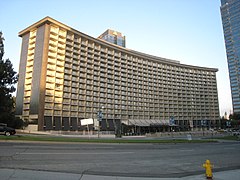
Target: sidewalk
<point x="17" y="174"/>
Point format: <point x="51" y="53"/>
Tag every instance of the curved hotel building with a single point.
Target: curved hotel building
<point x="66" y="76"/>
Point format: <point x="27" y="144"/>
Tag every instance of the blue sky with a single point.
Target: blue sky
<point x="186" y="30"/>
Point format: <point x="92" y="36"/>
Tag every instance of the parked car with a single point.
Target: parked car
<point x="235" y="132"/>
<point x="7" y="131"/>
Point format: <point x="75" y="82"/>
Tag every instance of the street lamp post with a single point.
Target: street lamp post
<point x="203" y="124"/>
<point x="172" y="124"/>
<point x="99" y="118"/>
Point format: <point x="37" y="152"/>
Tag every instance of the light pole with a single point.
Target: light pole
<point x="172" y="124"/>
<point x="99" y="117"/>
<point x="203" y="124"/>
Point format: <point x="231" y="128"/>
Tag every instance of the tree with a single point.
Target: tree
<point x="1" y="46"/>
<point x="235" y="120"/>
<point x="8" y="77"/>
<point x="234" y="116"/>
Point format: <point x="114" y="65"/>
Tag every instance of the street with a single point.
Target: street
<point x="136" y="160"/>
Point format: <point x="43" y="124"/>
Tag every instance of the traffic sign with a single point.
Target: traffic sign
<point x="99" y="115"/>
<point x="171" y="121"/>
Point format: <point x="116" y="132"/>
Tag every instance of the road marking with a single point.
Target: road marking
<point x="229" y="148"/>
<point x="187" y="164"/>
<point x="104" y="153"/>
<point x="186" y="150"/>
<point x="67" y="148"/>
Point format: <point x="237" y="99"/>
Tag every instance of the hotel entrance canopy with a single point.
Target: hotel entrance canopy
<point x="146" y="122"/>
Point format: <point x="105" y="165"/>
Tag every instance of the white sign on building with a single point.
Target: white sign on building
<point x="86" y="122"/>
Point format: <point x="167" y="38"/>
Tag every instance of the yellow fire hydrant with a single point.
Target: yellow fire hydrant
<point x="208" y="166"/>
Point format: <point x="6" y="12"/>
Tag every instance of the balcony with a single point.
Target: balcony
<point x="26" y="106"/>
<point x="62" y="52"/>
<point x="76" y="45"/>
<point x="31" y="46"/>
<point x="48" y="99"/>
<point x="33" y="34"/>
<point x="52" y="59"/>
<point x="83" y="54"/>
<point x="30" y="57"/>
<point x="28" y="75"/>
<point x="50" y="79"/>
<point x="59" y="81"/>
<point x="68" y="65"/>
<point x="27" y="87"/>
<point x="49" y="86"/>
<point x="48" y="106"/>
<point x="51" y="54"/>
<point x="28" y="81"/>
<point x="57" y="113"/>
<point x="69" y="54"/>
<point x="75" y="73"/>
<point x="61" y="45"/>
<point x="66" y="108"/>
<point x="32" y="41"/>
<point x="60" y="70"/>
<point x="26" y="113"/>
<point x="51" y="73"/>
<point x="27" y="93"/>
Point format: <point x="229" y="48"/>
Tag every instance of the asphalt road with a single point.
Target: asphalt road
<point x="136" y="160"/>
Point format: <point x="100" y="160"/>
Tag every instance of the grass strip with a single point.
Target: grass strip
<point x="94" y="140"/>
<point x="236" y="138"/>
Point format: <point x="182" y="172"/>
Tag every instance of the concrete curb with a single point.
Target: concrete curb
<point x="18" y="174"/>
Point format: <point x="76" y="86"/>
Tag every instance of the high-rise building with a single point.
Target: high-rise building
<point x="230" y="10"/>
<point x="66" y="76"/>
<point x="113" y="37"/>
